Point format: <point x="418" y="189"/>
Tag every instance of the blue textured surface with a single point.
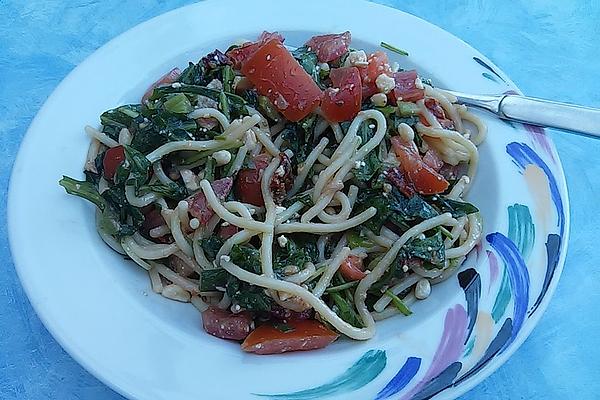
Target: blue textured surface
<point x="549" y="48"/>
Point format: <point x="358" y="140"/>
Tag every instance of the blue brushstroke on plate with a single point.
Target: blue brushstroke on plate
<point x="552" y="251"/>
<point x="470" y="282"/>
<point x="440" y="382"/>
<point x="524" y="155"/>
<point x="518" y="276"/>
<point x="489" y="68"/>
<point x="401" y="379"/>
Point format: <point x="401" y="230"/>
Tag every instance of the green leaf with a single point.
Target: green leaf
<point x="126" y="116"/>
<point x="85" y="190"/>
<point x="406" y="109"/>
<point x="211" y="279"/>
<point x="246" y="257"/>
<point x="266" y="108"/>
<point x="178" y="104"/>
<point x="355" y="239"/>
<point x="209" y="169"/>
<point x="299" y="249"/>
<point x="211" y="246"/>
<point x="171" y="191"/>
<point x="345" y="310"/>
<point x="282" y="327"/>
<point x="393" y="48"/>
<point x="228" y="77"/>
<point x="304" y="198"/>
<point x="455" y="207"/>
<point x="224" y="105"/>
<point x="248" y="296"/>
<point x="308" y="60"/>
<point x="430" y="249"/>
<point x="139" y="167"/>
<point x="398" y="303"/>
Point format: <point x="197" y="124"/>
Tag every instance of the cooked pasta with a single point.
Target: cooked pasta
<point x="288" y="203"/>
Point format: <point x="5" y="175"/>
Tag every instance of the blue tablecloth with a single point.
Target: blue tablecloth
<point x="549" y="48"/>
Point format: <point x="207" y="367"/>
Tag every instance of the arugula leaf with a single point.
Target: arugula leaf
<point x="246" y="257"/>
<point x="455" y="207"/>
<point x="355" y="239"/>
<point x="126" y="116"/>
<point x="162" y="128"/>
<point x="211" y="246"/>
<point x="308" y="60"/>
<point x="211" y="279"/>
<point x="209" y="169"/>
<point x="171" y="191"/>
<point x="299" y="249"/>
<point x="139" y="167"/>
<point x="228" y="77"/>
<point x="178" y="104"/>
<point x="304" y="198"/>
<point x="345" y="310"/>
<point x="224" y="105"/>
<point x="85" y="190"/>
<point x="250" y="297"/>
<point x="430" y="249"/>
<point x="411" y="209"/>
<point x="192" y="75"/>
<point x="298" y="137"/>
<point x="129" y="218"/>
<point x="266" y="108"/>
<point x="373" y="198"/>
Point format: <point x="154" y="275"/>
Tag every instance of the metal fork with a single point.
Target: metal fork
<point x="578" y="119"/>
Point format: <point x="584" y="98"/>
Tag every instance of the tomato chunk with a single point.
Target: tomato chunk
<point x="432" y="158"/>
<point x="330" y="47"/>
<point x="112" y="159"/>
<point x="438" y="111"/>
<point x="305" y="334"/>
<point x="378" y="63"/>
<point x="198" y="205"/>
<point x="278" y="76"/>
<point x="421" y="176"/>
<point x="343" y="101"/>
<point x="164" y="80"/>
<point x="226" y="325"/>
<point x="240" y="54"/>
<point x="406" y="88"/>
<point x="247" y="186"/>
<point x="352" y="268"/>
<point x="225" y="232"/>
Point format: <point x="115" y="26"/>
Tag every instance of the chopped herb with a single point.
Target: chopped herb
<point x="211" y="246"/>
<point x="430" y="249"/>
<point x="393" y="48"/>
<point x="455" y="207"/>
<point x="345" y="310"/>
<point x="209" y="169"/>
<point x="355" y="239"/>
<point x="398" y="303"/>
<point x="211" y="279"/>
<point x="343" y="286"/>
<point x="246" y="257"/>
<point x="178" y="103"/>
<point x="266" y="108"/>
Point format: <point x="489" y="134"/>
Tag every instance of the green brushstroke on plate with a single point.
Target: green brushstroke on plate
<point x="470" y="346"/>
<point x="502" y="299"/>
<point x="363" y="371"/>
<point x="521" y="229"/>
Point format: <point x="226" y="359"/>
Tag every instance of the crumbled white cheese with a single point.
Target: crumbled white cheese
<point x="221" y="157"/>
<point x="384" y="83"/>
<point x="422" y="289"/>
<point x="194" y="223"/>
<point x="387" y="188"/>
<point x="418" y="83"/>
<point x="324" y="67"/>
<point x="395" y="67"/>
<point x="358" y="164"/>
<point x="225" y="258"/>
<point x="176" y="85"/>
<point x="215" y="84"/>
<point x="379" y="99"/>
<point x="280" y="171"/>
<point x="225" y="223"/>
<point x="405" y="268"/>
<point x="356" y="59"/>
<point x="282" y="240"/>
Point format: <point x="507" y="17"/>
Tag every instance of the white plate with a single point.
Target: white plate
<point x="102" y="311"/>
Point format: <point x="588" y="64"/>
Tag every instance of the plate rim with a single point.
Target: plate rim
<point x="88" y="365"/>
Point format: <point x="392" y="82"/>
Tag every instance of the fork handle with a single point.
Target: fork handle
<point x="584" y="120"/>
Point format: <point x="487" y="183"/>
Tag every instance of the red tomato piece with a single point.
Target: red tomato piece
<point x="398" y="178"/>
<point x="421" y="176"/>
<point x="112" y="159"/>
<point x="438" y="111"/>
<point x="378" y="63"/>
<point x="225" y="232"/>
<point x="305" y="334"/>
<point x="330" y="47"/>
<point x="164" y="80"/>
<point x="262" y="160"/>
<point x="352" y="268"/>
<point x="277" y="75"/>
<point x="343" y="101"/>
<point x="240" y="54"/>
<point x="284" y="314"/>
<point x="226" y="325"/>
<point x="152" y="219"/>
<point x="282" y="182"/>
<point x="198" y="205"/>
<point x="432" y="158"/>
<point x="247" y="187"/>
<point x="406" y="88"/>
